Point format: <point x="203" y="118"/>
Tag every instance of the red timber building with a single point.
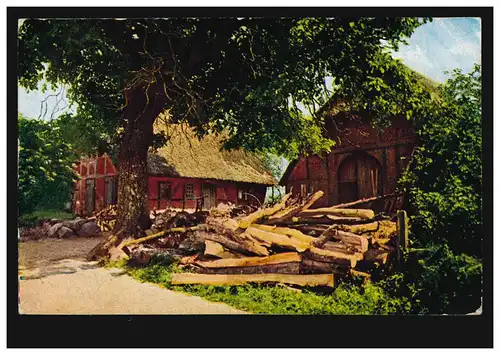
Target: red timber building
<point x="185" y="171"/>
<point x="362" y="164"/>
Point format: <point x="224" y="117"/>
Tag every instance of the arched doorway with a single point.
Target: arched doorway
<point x="359" y="177"/>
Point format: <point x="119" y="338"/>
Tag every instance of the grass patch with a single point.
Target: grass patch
<point x="33" y="218"/>
<point x="346" y="299"/>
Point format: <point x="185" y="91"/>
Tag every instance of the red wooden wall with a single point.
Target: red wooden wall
<point x="102" y="167"/>
<point x="389" y="152"/>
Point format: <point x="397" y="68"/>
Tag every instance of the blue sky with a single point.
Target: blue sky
<point x="436" y="47"/>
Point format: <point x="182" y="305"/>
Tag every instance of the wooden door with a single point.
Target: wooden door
<point x="368" y="176"/>
<point x="89" y="196"/>
<point x="359" y="177"/>
<point x="209" y="199"/>
<point x="348" y="182"/>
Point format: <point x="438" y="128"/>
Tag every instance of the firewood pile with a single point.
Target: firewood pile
<point x="106" y="218"/>
<point x="288" y="243"/>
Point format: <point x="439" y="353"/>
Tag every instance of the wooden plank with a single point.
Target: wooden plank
<point x="340" y="212"/>
<point x="216" y="249"/>
<point x="252" y="261"/>
<point x="293" y="233"/>
<point x="259" y="214"/>
<point x="280" y="240"/>
<point x="209" y="279"/>
<point x="284" y="268"/>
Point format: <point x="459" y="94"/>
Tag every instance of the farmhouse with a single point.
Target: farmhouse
<point x="182" y="173"/>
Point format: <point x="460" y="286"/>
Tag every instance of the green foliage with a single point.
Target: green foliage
<point x="262" y="299"/>
<point x="46" y="175"/>
<point x="444" y="199"/>
<point x="246" y="76"/>
<point x="445" y="180"/>
<point x="446" y="282"/>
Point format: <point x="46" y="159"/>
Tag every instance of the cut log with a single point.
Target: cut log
<point x="308" y="266"/>
<point x="254" y="245"/>
<point x="259" y="214"/>
<point x="317" y="220"/>
<point x="252" y="261"/>
<point x="283" y="268"/>
<point x="295" y="209"/>
<point x="280" y="240"/>
<point x="376" y="256"/>
<point x="339" y="212"/>
<point x="339" y="247"/>
<point x="216" y="249"/>
<point x="301" y="280"/>
<point x="352" y="240"/>
<point x="359" y="228"/>
<point x="187" y="260"/>
<point x="293" y="233"/>
<point x="332" y="257"/>
<point x="232" y="245"/>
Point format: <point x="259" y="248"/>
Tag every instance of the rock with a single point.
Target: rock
<point x="65" y="232"/>
<point x="52" y="233"/>
<point x="75" y="224"/>
<point x="89" y="229"/>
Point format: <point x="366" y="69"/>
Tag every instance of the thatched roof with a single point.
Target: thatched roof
<point x="187" y="156"/>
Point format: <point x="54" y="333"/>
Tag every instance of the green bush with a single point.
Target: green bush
<point x="443" y="187"/>
<point x="46" y="176"/>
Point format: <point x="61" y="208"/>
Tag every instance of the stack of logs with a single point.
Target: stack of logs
<point x="288" y="243"/>
<point x="106" y="218"/>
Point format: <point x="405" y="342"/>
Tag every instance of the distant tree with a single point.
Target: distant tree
<point x="46" y="176"/>
<point x="245" y="76"/>
<point x="87" y="136"/>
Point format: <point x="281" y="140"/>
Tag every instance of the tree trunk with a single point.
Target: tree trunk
<point x="143" y="105"/>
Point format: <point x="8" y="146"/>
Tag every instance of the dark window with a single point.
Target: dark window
<point x="189" y="191"/>
<point x="164" y="191"/>
<point x="244" y="193"/>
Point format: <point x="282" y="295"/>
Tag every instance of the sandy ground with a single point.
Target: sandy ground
<point x="56" y="279"/>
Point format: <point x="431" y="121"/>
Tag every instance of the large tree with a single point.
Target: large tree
<point x="242" y="76"/>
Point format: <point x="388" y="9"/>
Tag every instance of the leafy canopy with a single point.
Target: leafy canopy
<point x="245" y="76"/>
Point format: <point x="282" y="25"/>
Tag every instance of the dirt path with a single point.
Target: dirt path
<point x="56" y="279"/>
